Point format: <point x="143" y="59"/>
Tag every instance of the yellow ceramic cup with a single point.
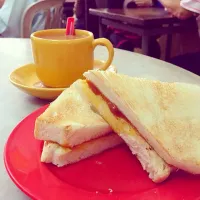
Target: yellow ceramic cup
<point x="61" y="62"/>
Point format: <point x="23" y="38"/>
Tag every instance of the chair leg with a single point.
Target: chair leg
<point x="86" y="14"/>
<point x="145" y="44"/>
<point x="102" y="28"/>
<point x="168" y="47"/>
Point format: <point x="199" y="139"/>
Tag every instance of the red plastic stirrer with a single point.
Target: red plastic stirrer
<point x="70" y="26"/>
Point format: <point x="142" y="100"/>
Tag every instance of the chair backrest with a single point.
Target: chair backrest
<point x="51" y="11"/>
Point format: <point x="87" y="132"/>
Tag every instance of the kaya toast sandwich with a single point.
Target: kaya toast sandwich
<point x="72" y="131"/>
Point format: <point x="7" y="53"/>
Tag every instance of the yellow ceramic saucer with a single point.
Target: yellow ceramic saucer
<point x="25" y="79"/>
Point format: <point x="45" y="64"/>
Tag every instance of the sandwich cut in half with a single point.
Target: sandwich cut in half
<point x="155" y="166"/>
<point x="159" y="121"/>
<point x="165" y="115"/>
<point x="70" y="121"/>
<point x="72" y="131"/>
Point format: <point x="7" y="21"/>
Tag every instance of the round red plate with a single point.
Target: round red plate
<point x="114" y="174"/>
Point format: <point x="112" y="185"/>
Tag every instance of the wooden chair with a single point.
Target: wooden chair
<point x="52" y="19"/>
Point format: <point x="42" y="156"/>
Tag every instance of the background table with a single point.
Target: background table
<point x="15" y="105"/>
<point x="146" y="22"/>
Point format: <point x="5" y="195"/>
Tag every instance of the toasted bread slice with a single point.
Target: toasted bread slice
<point x="166" y="115"/>
<point x="70" y="121"/>
<point x="61" y="156"/>
<point x="157" y="168"/>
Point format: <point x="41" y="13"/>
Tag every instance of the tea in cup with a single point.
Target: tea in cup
<point x="60" y="60"/>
